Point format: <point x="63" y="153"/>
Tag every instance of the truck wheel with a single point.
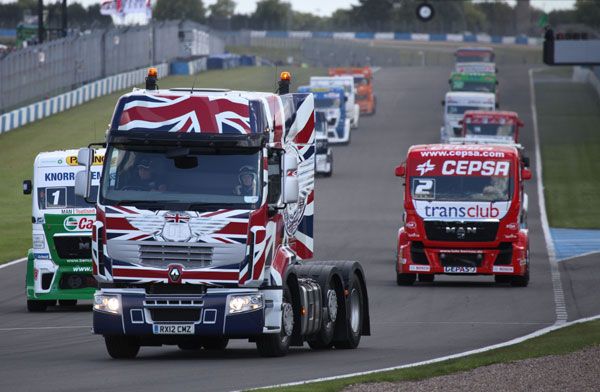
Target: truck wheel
<point x="121" y="347"/>
<point x="426" y="278"/>
<point x="354" y="316"/>
<point x="405" y="279"/>
<point x="522" y="281"/>
<point x="34" y="305"/>
<point x="278" y="344"/>
<point x="67" y="302"/>
<point x="335" y="300"/>
<point x="215" y="344"/>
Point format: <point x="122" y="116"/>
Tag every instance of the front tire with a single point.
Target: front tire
<point x="405" y="279"/>
<point x="278" y="344"/>
<point x="37" y="305"/>
<point x="121" y="347"/>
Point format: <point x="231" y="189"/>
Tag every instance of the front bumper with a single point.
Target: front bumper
<point x="49" y="281"/>
<point x="140" y="315"/>
<point x="510" y="260"/>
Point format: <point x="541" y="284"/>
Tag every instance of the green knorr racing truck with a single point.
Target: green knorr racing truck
<point x="59" y="265"/>
<point x="477" y="82"/>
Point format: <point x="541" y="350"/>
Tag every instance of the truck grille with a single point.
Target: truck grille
<point x="73" y="247"/>
<point x="461" y="231"/>
<point x="175" y="314"/>
<point x="461" y="259"/>
<point x="161" y="255"/>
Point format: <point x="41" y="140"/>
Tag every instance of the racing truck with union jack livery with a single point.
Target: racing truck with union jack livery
<point x="204" y="217"/>
<point x="463" y="214"/>
<point x="59" y="264"/>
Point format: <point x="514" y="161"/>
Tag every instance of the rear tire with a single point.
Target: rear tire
<point x="405" y="279"/>
<point x="215" y="344"/>
<point x="278" y="344"/>
<point x="121" y="347"/>
<point x="323" y="339"/>
<point x="67" y="302"/>
<point x="37" y="305"/>
<point x="354" y="316"/>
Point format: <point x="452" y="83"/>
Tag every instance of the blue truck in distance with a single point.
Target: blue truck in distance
<point x="331" y="102"/>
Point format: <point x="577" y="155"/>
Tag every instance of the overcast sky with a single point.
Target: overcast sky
<point x="327" y="7"/>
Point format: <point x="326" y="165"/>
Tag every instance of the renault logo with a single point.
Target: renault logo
<point x="174" y="273"/>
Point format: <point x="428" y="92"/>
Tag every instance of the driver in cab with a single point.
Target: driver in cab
<point x="146" y="177"/>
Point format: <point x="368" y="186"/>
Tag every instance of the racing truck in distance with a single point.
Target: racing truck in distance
<point x="472" y="54"/>
<point x="477" y="82"/>
<point x="456" y="103"/>
<point x="59" y="265"/>
<point x="323" y="151"/>
<point x="463" y="214"/>
<point x="329" y="100"/>
<point x="500" y="127"/>
<point x="363" y="81"/>
<point x="205" y="214"/>
<point x="347" y="83"/>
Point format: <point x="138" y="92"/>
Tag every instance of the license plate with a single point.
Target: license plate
<point x="460" y="270"/>
<point x="173" y="329"/>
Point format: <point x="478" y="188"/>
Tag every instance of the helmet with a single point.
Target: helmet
<point x="246" y="170"/>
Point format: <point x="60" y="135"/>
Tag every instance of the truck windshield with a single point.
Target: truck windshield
<point x="490" y="129"/>
<point x="483" y="87"/>
<point x="474" y="57"/>
<point x="456" y="109"/>
<point x="187" y="179"/>
<point x="327" y="103"/>
<point x="462" y="188"/>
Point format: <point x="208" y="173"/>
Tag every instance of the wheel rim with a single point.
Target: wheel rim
<point x="288" y="320"/>
<point x="332" y="305"/>
<point x="355" y="311"/>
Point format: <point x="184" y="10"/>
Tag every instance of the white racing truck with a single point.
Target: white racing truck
<point x="347" y="83"/>
<point x="456" y="104"/>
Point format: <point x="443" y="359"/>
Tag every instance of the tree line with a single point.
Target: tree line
<point x="452" y="16"/>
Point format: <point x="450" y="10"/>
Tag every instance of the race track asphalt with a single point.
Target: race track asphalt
<point x="357" y="216"/>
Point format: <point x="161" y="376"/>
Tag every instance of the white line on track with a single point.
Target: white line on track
<point x="559" y="295"/>
<point x="43" y="328"/>
<point x="12" y="262"/>
<point x="511" y="342"/>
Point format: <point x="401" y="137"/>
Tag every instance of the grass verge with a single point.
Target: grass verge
<point x="559" y="342"/>
<point x="569" y="124"/>
<point x="85" y="124"/>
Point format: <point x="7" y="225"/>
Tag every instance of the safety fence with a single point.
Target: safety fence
<point x="36" y="72"/>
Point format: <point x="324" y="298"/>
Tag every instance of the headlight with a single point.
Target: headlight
<point x="244" y="303"/>
<point x="39" y="241"/>
<point x="107" y="303"/>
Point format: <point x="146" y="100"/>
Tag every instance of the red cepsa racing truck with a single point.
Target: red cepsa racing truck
<point x="501" y="127"/>
<point x="463" y="214"/>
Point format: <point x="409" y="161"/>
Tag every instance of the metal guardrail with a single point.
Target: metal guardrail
<point x="32" y="74"/>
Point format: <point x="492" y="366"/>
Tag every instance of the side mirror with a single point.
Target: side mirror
<point x="400" y="170"/>
<point x="85" y="157"/>
<point x="291" y="187"/>
<point x="526" y="174"/>
<point x="520" y="123"/>
<point x="83" y="183"/>
<point x="443" y="102"/>
<point x="497" y="82"/>
<point x="497" y="105"/>
<point x="449" y="81"/>
<point x="27" y="187"/>
<point x="525" y="161"/>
